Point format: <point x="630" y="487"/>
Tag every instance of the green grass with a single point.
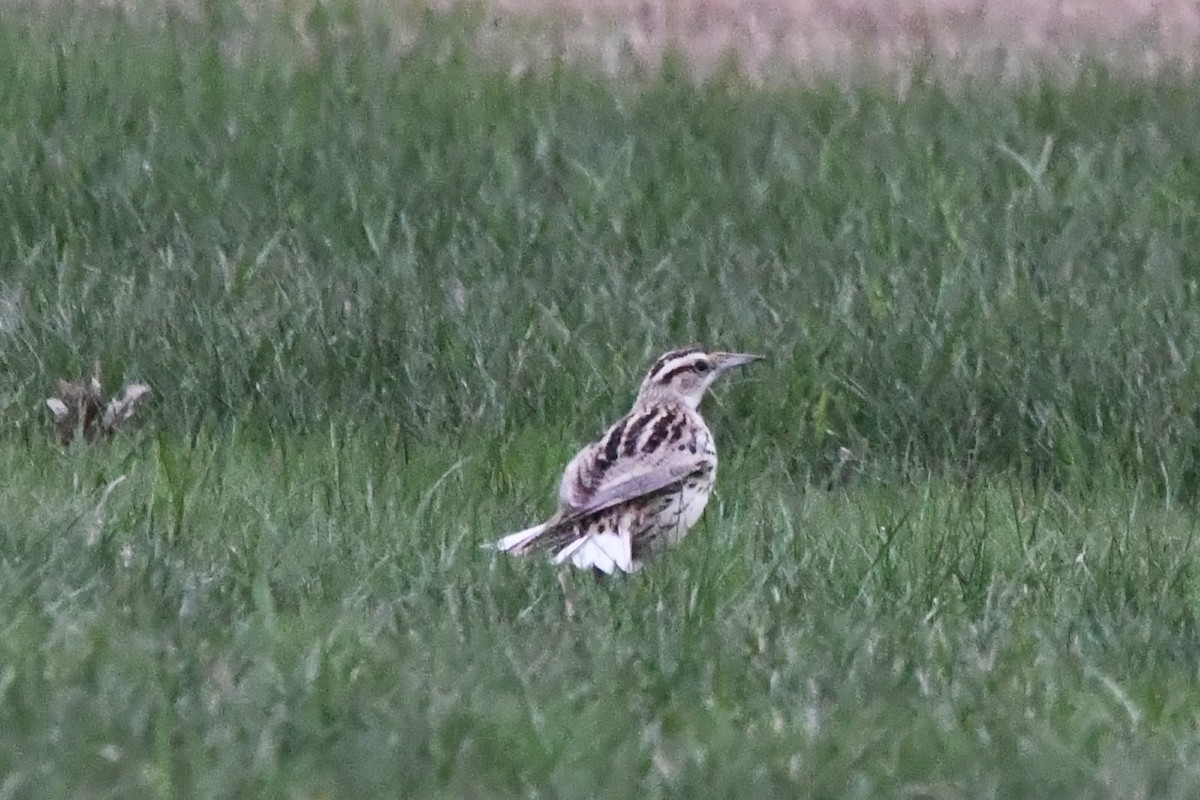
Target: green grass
<point x="381" y="297"/>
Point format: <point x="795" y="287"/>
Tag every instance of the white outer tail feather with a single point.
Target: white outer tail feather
<point x="606" y="552"/>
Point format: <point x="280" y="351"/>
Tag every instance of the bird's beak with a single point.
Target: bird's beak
<point x="726" y="361"/>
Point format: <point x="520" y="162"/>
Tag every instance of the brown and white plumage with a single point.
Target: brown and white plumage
<point x="645" y="481"/>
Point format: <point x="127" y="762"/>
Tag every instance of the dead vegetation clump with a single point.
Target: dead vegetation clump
<point x="79" y="409"/>
<point x="841" y="38"/>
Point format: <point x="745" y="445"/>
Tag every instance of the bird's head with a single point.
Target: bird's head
<point x="684" y="375"/>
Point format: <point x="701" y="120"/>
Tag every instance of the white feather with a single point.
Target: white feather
<point x="606" y="552"/>
<point x="57" y="406"/>
<point x="121" y="408"/>
<point x="515" y="541"/>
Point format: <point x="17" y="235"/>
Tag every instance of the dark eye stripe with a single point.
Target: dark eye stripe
<point x="666" y="358"/>
<point x="673" y="371"/>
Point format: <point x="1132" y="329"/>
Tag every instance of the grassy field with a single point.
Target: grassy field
<point x="382" y="296"/>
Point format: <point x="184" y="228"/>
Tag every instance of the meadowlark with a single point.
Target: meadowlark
<point x="645" y="482"/>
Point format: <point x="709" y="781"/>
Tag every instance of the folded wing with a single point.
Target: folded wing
<point x="585" y="491"/>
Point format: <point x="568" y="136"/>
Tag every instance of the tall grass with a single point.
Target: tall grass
<point x="382" y="292"/>
<point x="1002" y="276"/>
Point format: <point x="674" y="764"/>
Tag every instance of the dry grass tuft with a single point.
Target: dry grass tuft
<point x="792" y="38"/>
<point x="837" y="37"/>
<point x="78" y="409"/>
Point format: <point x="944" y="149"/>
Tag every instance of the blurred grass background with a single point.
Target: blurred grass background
<point x="382" y="293"/>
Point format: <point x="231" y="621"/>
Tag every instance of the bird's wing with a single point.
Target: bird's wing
<point x="592" y="483"/>
<point x="639" y="481"/>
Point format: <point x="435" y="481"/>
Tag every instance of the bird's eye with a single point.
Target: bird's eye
<point x="701" y="367"/>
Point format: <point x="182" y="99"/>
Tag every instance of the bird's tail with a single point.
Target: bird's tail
<point x="607" y="552"/>
<point x="517" y="543"/>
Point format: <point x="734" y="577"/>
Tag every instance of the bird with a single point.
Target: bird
<point x="645" y="481"/>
